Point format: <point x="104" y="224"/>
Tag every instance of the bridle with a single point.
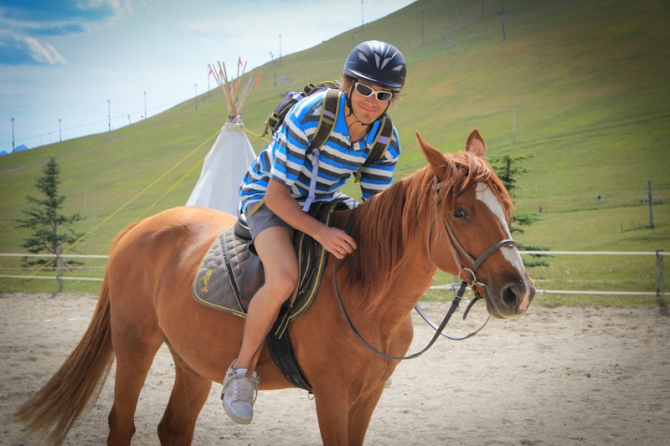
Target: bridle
<point x="455" y="246"/>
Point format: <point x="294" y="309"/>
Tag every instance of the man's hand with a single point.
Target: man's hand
<point x="335" y="241"/>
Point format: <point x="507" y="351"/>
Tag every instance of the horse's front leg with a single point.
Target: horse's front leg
<point x="361" y="413"/>
<point x="332" y="411"/>
<point x="342" y="422"/>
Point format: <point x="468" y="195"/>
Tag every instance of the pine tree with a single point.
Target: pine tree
<point x="45" y="219"/>
<point x="507" y="169"/>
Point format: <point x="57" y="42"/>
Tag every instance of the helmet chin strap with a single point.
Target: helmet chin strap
<point x="351" y="110"/>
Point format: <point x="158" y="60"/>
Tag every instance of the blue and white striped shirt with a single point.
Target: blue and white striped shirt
<point x="286" y="160"/>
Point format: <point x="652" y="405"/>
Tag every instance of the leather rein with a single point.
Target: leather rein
<point x="455" y="246"/>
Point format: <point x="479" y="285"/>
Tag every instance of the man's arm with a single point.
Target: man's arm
<point x="279" y="200"/>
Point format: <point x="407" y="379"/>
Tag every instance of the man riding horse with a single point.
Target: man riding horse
<point x="277" y="188"/>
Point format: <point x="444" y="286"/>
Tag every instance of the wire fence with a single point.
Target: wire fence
<point x="659" y="254"/>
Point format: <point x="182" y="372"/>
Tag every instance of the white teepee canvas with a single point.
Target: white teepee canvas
<point x="225" y="166"/>
<point x="231" y="155"/>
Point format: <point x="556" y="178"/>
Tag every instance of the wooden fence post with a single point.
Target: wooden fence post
<point x="660" y="294"/>
<point x="59" y="269"/>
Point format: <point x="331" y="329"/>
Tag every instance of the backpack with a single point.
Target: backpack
<point x="327" y="120"/>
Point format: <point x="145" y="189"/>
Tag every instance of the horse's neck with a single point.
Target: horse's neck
<point x="398" y="285"/>
<point x="409" y="280"/>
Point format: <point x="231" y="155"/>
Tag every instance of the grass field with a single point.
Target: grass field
<point x="582" y="85"/>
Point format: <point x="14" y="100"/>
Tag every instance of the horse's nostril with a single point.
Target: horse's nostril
<point x="510" y="296"/>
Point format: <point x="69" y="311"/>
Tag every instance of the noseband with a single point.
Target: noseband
<point x="453" y="244"/>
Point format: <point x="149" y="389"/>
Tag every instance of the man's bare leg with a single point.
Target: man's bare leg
<point x="275" y="248"/>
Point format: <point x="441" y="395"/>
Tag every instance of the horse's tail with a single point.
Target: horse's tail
<point x="57" y="405"/>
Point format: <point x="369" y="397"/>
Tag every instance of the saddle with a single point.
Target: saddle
<point x="230" y="273"/>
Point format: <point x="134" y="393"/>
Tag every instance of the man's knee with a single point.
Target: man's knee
<point x="282" y="282"/>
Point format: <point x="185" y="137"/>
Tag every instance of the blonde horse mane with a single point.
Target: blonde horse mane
<point x="393" y="219"/>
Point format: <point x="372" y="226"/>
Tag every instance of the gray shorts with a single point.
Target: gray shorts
<point x="262" y="219"/>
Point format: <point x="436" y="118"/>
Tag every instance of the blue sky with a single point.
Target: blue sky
<point x="64" y="59"/>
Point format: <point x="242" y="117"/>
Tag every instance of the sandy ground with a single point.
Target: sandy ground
<point x="561" y="376"/>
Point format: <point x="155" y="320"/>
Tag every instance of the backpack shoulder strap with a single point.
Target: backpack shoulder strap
<point x="379" y="145"/>
<point x="381" y="142"/>
<point x="330" y="107"/>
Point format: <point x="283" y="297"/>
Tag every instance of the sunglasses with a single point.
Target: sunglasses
<point x="365" y="91"/>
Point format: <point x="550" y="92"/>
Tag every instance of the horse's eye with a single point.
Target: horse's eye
<point x="460" y="213"/>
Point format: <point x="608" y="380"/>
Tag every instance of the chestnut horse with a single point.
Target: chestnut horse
<point x="402" y="236"/>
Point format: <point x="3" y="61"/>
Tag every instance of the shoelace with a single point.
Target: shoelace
<point x="244" y="389"/>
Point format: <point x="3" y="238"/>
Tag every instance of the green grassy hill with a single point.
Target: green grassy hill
<point x="581" y="84"/>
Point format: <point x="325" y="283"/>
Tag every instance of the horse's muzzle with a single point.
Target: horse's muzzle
<point x="510" y="301"/>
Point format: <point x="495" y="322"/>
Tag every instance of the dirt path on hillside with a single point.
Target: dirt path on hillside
<point x="562" y="376"/>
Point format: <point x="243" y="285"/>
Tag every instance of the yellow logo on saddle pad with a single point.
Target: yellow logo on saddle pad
<point x="208" y="274"/>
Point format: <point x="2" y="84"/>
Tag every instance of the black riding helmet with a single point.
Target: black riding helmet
<point x="377" y="62"/>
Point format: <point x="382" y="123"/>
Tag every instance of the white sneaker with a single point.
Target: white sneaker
<point x="239" y="395"/>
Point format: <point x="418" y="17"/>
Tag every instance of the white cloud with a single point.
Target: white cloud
<point x="43" y="54"/>
<point x="128" y="6"/>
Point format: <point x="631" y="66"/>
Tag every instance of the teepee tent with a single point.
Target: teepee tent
<point x="231" y="155"/>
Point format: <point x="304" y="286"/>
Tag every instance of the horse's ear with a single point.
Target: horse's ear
<point x="475" y="144"/>
<point x="435" y="157"/>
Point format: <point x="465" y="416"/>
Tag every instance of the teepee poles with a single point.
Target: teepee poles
<point x="231" y="89"/>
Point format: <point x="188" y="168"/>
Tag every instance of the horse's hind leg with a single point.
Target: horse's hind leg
<point x="135" y="346"/>
<point x="189" y="394"/>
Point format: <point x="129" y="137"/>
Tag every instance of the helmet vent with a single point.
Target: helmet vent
<point x="378" y="63"/>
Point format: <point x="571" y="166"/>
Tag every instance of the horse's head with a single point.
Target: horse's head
<point x="469" y="234"/>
